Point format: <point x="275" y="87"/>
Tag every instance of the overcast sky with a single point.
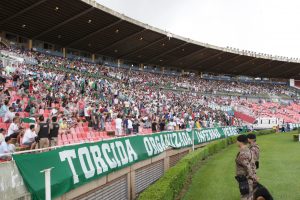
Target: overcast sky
<point x="266" y="26"/>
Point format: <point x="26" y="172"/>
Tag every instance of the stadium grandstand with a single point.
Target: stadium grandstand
<point x="75" y="73"/>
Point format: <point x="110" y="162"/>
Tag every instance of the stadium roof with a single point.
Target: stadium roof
<point x="88" y="26"/>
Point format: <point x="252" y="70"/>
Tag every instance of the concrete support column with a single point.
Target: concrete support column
<point x="119" y="62"/>
<point x="2" y="34"/>
<point x="93" y="57"/>
<point x="64" y="52"/>
<point x="163" y="69"/>
<point x="30" y="44"/>
<point x="142" y="67"/>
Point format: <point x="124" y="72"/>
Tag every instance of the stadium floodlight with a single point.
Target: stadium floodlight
<point x="169" y="35"/>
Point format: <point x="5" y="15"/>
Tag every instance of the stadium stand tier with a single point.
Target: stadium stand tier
<point x="87" y="94"/>
<point x="92" y="74"/>
<point x="89" y="98"/>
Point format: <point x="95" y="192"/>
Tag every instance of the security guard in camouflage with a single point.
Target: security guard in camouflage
<point x="245" y="170"/>
<point x="254" y="148"/>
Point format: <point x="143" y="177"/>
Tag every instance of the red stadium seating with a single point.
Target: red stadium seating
<point x="244" y="117"/>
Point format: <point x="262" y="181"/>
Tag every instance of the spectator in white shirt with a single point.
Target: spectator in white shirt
<point x="13" y="129"/>
<point x="6" y="148"/>
<point x="9" y="115"/>
<point x="171" y="125"/>
<point x="87" y="112"/>
<point x="126" y="103"/>
<point x="1" y="135"/>
<point x="118" y="126"/>
<point x="4" y="108"/>
<point x="54" y="112"/>
<point x="29" y="137"/>
<point x="116" y="101"/>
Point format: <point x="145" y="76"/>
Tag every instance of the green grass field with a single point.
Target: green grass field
<point x="279" y="171"/>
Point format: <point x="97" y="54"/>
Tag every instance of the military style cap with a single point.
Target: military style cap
<point x="242" y="138"/>
<point x="251" y="136"/>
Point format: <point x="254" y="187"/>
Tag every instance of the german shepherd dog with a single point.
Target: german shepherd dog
<point x="261" y="193"/>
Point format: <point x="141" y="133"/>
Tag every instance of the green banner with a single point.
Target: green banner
<point x="28" y="120"/>
<point x="76" y="165"/>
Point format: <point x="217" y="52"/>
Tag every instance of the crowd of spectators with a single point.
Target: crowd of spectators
<point x="197" y="84"/>
<point x="73" y="92"/>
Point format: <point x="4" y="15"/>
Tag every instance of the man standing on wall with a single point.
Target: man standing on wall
<point x="43" y="131"/>
<point x="118" y="125"/>
<point x="54" y="129"/>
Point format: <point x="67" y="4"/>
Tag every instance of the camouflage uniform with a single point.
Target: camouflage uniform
<point x="254" y="148"/>
<point x="245" y="166"/>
